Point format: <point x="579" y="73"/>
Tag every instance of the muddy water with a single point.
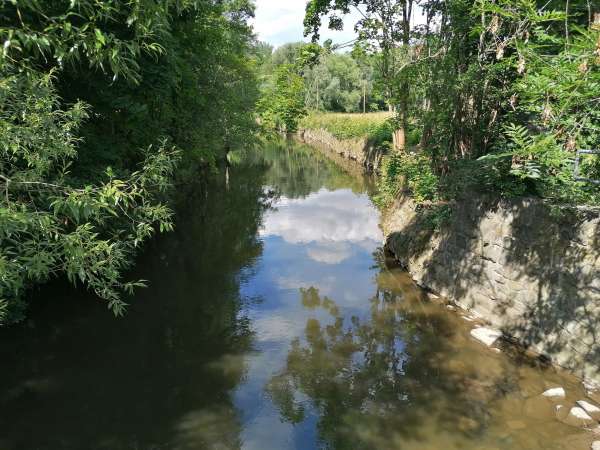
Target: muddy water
<point x="271" y="322"/>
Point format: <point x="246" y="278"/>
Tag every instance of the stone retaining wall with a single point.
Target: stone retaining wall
<point x="530" y="271"/>
<point x="359" y="150"/>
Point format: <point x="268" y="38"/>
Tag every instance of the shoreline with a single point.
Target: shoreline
<point x="531" y="275"/>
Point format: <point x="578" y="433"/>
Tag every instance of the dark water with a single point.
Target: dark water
<point x="271" y="322"/>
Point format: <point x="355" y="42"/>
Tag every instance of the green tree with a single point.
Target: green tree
<point x="282" y="105"/>
<point x="337" y="83"/>
<point x="501" y="92"/>
<point x="385" y="29"/>
<point x="100" y="102"/>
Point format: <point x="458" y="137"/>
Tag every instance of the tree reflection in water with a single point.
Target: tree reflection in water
<point x="405" y="376"/>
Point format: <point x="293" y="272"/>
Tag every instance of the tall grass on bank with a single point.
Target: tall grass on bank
<point x="373" y="126"/>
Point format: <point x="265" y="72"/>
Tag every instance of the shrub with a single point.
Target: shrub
<point x="409" y="171"/>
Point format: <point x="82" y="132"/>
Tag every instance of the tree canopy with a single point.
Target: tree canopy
<point x="501" y="93"/>
<point x="103" y="105"/>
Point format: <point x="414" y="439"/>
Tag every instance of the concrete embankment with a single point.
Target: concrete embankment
<point x="361" y="150"/>
<point x="527" y="269"/>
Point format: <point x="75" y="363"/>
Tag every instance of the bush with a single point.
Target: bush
<point x="409" y="171"/>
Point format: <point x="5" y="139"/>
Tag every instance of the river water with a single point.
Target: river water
<point x="271" y="321"/>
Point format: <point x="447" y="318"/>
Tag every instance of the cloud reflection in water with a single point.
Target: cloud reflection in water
<point x="327" y="223"/>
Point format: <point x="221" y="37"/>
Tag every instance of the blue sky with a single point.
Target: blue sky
<point x="280" y="21"/>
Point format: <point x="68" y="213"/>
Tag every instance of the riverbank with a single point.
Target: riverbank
<point x="528" y="270"/>
<point x="362" y="138"/>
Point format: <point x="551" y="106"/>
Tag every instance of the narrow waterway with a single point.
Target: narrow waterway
<point x="271" y="322"/>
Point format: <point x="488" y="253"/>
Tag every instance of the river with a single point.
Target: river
<point x="271" y="321"/>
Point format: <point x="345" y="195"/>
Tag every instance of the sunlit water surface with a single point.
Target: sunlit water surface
<point x="271" y="322"/>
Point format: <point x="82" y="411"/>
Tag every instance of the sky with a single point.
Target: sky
<point x="280" y="21"/>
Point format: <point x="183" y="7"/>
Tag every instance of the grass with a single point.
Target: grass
<point x="372" y="126"/>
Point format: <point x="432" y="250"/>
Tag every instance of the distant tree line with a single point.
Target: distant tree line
<point x="326" y="78"/>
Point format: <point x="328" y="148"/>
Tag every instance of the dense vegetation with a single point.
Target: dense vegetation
<point x="487" y="95"/>
<point x="501" y="93"/>
<point x="299" y="77"/>
<point x="103" y="105"/>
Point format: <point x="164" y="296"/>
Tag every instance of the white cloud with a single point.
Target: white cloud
<point x="330" y="253"/>
<point x="280" y="21"/>
<point x="277" y="328"/>
<point x="327" y="285"/>
<point x="324" y="217"/>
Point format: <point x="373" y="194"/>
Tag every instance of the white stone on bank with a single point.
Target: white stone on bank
<point x="555" y="393"/>
<point x="592" y="410"/>
<point x="592" y="389"/>
<point x="591" y="385"/>
<point x="486" y="336"/>
<point x="596" y="445"/>
<point x="576" y="416"/>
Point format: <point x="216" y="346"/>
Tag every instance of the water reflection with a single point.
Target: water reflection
<point x="329" y="224"/>
<point x="271" y="323"/>
<point x="372" y="382"/>
<point x="76" y="378"/>
<point x="320" y="233"/>
<point x="352" y="355"/>
<point x="406" y="376"/>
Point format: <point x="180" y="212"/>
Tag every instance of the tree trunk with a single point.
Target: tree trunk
<point x="402" y="115"/>
<point x="399" y="140"/>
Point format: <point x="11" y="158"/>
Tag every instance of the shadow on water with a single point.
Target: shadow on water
<point x="407" y="376"/>
<point x="74" y="377"/>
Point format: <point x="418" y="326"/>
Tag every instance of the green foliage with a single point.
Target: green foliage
<point x="434" y="217"/>
<point x="499" y="93"/>
<point x="331" y="82"/>
<point x="282" y="104"/>
<point x="374" y="126"/>
<point x="99" y="103"/>
<point x="555" y="91"/>
<point x="50" y="227"/>
<point x="407" y="171"/>
<point x="339" y="83"/>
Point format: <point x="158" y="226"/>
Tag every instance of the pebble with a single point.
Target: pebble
<point x="576" y="416"/>
<point x="596" y="445"/>
<point x="486" y="336"/>
<point x="555" y="393"/>
<point x="592" y="410"/>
